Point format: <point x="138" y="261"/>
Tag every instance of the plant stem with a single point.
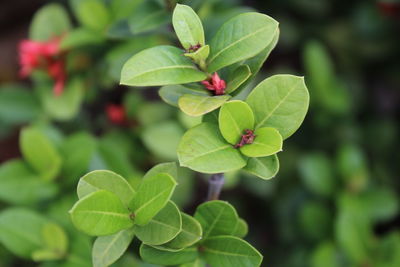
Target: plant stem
<point x="215" y="184"/>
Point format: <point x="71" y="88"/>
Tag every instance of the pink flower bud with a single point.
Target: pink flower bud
<point x="215" y="84"/>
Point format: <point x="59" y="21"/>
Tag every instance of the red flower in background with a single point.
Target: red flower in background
<point x="116" y="114"/>
<point x="45" y="56"/>
<point x="215" y="84"/>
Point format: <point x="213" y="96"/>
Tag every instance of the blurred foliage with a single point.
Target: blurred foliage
<point x="335" y="201"/>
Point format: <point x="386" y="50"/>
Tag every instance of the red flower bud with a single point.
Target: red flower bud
<point x="215" y="84"/>
<point x="116" y="114"/>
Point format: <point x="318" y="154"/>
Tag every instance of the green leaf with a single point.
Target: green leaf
<point x="281" y="102"/>
<point x="255" y="63"/>
<point x="240" y="38"/>
<point x="160" y="65"/>
<point x="267" y="142"/>
<point x="18" y="105"/>
<point x="216" y="218"/>
<point x="380" y="204"/>
<point x="162" y="139"/>
<point x="188" y="26"/>
<point x="203" y="149"/>
<point x="113" y="156"/>
<point x="190" y="234"/>
<point x="161" y="257"/>
<point x="123" y="8"/>
<point x="325" y="254"/>
<point x="230" y="251"/>
<point x="327" y="93"/>
<point x="44" y="255"/>
<point x="199" y="262"/>
<point x="162" y="228"/>
<point x="241" y="229"/>
<point x="40" y="153"/>
<point x="197" y="105"/>
<point x="48" y="22"/>
<point x="237" y="78"/>
<point x="55" y="243"/>
<point x="81" y="37"/>
<point x="77" y="151"/>
<point x="100" y="213"/>
<point x="14" y="174"/>
<point x="265" y="168"/>
<point x="20" y="231"/>
<point x="108" y="249"/>
<point x="65" y="106"/>
<point x="234" y="118"/>
<point x="316" y="171"/>
<point x="148" y="16"/>
<point x="92" y="14"/>
<point x="171" y="93"/>
<point x="105" y="180"/>
<point x="152" y="195"/>
<point x="167" y="167"/>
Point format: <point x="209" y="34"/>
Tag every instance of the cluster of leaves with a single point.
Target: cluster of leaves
<point x="111" y="209"/>
<point x="272" y="112"/>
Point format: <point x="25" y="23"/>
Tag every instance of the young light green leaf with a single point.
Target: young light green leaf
<point x="171" y="93"/>
<point x="234" y="118"/>
<point x="197" y="105"/>
<point x="100" y="213"/>
<point x="281" y="102"/>
<point x="203" y="149"/>
<point x="241" y="228"/>
<point x="160" y="65"/>
<point x="50" y="21"/>
<point x="227" y="251"/>
<point x="152" y="195"/>
<point x="240" y="38"/>
<point x="105" y="180"/>
<point x="267" y="142"/>
<point x="190" y="234"/>
<point x="265" y="168"/>
<point x="162" y="228"/>
<point x="15" y="173"/>
<point x="20" y="231"/>
<point x="40" y="153"/>
<point x="108" y="249"/>
<point x="199" y="262"/>
<point x="45" y="255"/>
<point x="216" y="218"/>
<point x="167" y="167"/>
<point x="161" y="257"/>
<point x="237" y="78"/>
<point x="188" y="26"/>
<point x="55" y="239"/>
<point x="199" y="56"/>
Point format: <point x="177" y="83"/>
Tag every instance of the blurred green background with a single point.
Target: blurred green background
<point x="335" y="201"/>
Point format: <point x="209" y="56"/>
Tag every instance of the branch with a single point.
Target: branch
<point x="215" y="184"/>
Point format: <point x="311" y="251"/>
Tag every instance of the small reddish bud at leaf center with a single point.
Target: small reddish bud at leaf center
<point x="247" y="138"/>
<point x="215" y="84"/>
